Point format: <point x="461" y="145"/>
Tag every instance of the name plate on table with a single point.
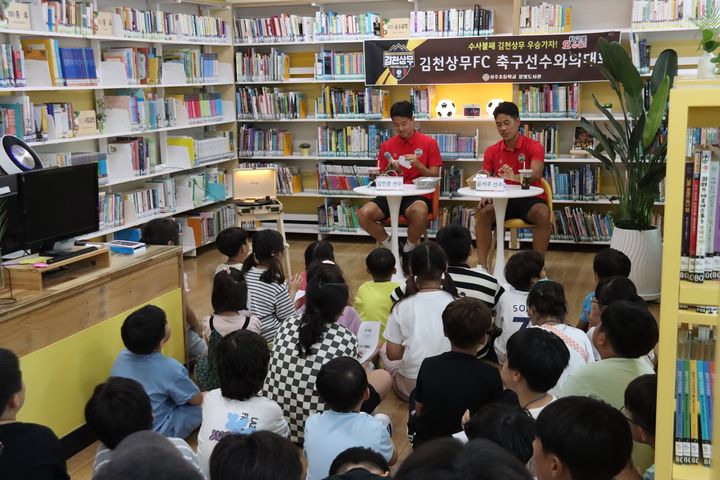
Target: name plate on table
<point x="489" y="184"/>
<point x="389" y="182"/>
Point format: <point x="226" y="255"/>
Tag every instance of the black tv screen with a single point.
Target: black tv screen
<point x="57" y="204"/>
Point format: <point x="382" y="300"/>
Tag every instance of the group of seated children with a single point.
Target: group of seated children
<point x="278" y="369"/>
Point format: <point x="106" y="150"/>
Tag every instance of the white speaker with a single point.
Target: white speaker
<point x="17" y="157"/>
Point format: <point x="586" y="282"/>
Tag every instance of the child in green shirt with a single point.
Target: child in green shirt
<point x="373" y="302"/>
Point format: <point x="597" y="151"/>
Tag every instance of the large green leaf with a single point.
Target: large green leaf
<point x="621" y="67"/>
<point x="656" y="113"/>
<point x="666" y="65"/>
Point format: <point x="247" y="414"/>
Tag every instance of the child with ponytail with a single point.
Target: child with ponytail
<point x="270" y="296"/>
<point x="230" y="313"/>
<point x="415" y="330"/>
<point x="305" y="343"/>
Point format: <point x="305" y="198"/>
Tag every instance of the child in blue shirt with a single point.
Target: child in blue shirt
<point x="608" y="262"/>
<point x="343" y="386"/>
<point x="175" y="398"/>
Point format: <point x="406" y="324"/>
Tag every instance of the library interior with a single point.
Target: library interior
<point x="295" y="179"/>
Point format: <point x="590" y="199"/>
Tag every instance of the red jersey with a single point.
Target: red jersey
<point x="498" y="155"/>
<point x="420" y="145"/>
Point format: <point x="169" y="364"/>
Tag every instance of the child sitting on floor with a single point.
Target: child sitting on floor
<point x="316" y="252"/>
<point x="229" y="301"/>
<point x="232" y="242"/>
<point x="607" y="263"/>
<point x="359" y="463"/>
<point x="506" y="425"/>
<point x="533" y="365"/>
<point x="175" y="398"/>
<point x="453" y="382"/>
<point x="641" y="411"/>
<point x="343" y="385"/>
<point x="372" y="301"/>
<point x="522" y="271"/>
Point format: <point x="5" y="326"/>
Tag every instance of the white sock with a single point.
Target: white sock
<point x="387" y="243"/>
<point x="409" y="246"/>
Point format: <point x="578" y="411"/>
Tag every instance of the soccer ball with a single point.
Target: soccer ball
<point x="445" y="108"/>
<point x="492" y="105"/>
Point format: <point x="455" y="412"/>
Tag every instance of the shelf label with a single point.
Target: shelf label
<point x="19" y="16"/>
<point x="103" y="23"/>
<point x="489" y="184"/>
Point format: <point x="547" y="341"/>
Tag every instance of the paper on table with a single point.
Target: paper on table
<point x="367" y="337"/>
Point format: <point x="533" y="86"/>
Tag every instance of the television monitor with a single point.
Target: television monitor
<point x="54" y="204"/>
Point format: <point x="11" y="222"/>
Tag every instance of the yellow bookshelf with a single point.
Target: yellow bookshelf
<point x="693" y="103"/>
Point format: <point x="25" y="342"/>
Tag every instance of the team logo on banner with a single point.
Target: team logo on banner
<point x="399" y="60"/>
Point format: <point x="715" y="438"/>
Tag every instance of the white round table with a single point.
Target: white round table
<point x="394" y="197"/>
<point x="500" y="200"/>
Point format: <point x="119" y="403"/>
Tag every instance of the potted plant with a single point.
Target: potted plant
<point x="708" y="62"/>
<point x="633" y="151"/>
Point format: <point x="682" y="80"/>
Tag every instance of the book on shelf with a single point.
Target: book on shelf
<point x="158" y="25"/>
<point x="452" y="22"/>
<point x="341" y="178"/>
<point x="111" y="210"/>
<point x="263" y="103"/>
<point x="45" y="50"/>
<point x="457" y="214"/>
<point x="21" y="117"/>
<point x="64" y="159"/>
<point x="545" y="18"/>
<point x="67" y="16"/>
<point x="368" y="103"/>
<point x="640" y="53"/>
<point x="278" y="28"/>
<point x="12" y="66"/>
<point x="420" y="99"/>
<point x="694" y="392"/>
<point x="575" y="184"/>
<point x="350" y="141"/>
<point x="78" y="66"/>
<point x="342" y="26"/>
<point x="264" y="142"/>
<point x="131" y="156"/>
<point x="339" y="216"/>
<point x="254" y="66"/>
<point x="332" y="65"/>
<point x="455" y="145"/>
<point x="142" y="65"/>
<point x="547" y="136"/>
<point x="549" y="101"/>
<point x="648" y="14"/>
<point x="197" y="66"/>
<point x="288" y="179"/>
<point x="208" y="222"/>
<point x="451" y="180"/>
<point x="700" y="247"/>
<point x="184" y="151"/>
<point x="578" y="225"/>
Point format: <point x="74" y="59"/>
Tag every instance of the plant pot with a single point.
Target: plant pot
<point x="644" y="249"/>
<point x="706" y="68"/>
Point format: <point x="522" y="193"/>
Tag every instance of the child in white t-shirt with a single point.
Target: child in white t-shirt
<point x="522" y="271"/>
<point x="415" y="330"/>
<point x="547" y="309"/>
<point x="235" y="407"/>
<point x="233" y="243"/>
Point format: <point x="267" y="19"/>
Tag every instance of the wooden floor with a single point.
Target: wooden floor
<point x="573" y="269"/>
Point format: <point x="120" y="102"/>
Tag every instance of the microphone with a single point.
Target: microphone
<point x="388" y="157"/>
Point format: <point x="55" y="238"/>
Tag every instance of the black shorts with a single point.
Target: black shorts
<point x="519" y="207"/>
<point x="382" y="204"/>
<point x="369" y="405"/>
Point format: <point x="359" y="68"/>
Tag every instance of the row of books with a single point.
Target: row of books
<point x="341" y="26"/>
<point x="331" y="65"/>
<point x="65" y="66"/>
<point x="198" y="66"/>
<point x="451" y="179"/>
<point x="12" y="66"/>
<point x="339" y="178"/>
<point x="154" y="24"/>
<point x="190" y="151"/>
<point x="36" y="122"/>
<point x="545" y="18"/>
<point x="65" y="159"/>
<point x="254" y="66"/>
<point x="298" y="28"/>
<point x="205" y="224"/>
<point x="547" y="136"/>
<point x="455" y="145"/>
<point x="577" y="184"/>
<point x="263" y="142"/>
<point x="351" y="141"/>
<point x="420" y="99"/>
<point x="288" y="179"/>
<point x="111" y="210"/>
<point x="670" y="14"/>
<point x="640" y="51"/>
<point x="700" y="247"/>
<point x="694" y="394"/>
<point x="549" y="101"/>
<point x="369" y="103"/>
<point x="263" y="103"/>
<point x="131" y="156"/>
<point x="338" y="217"/>
<point x="68" y="16"/>
<point x="452" y="22"/>
<point x="457" y="214"/>
<point x="144" y="66"/>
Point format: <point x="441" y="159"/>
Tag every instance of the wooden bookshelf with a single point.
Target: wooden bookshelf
<point x="693" y="103"/>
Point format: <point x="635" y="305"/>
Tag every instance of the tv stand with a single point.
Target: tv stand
<point x="31" y="277"/>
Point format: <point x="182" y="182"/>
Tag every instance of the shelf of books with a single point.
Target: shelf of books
<point x="690" y="286"/>
<point x="303" y="104"/>
<point x="147" y="93"/>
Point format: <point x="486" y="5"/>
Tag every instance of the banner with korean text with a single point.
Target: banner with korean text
<point x="498" y="59"/>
